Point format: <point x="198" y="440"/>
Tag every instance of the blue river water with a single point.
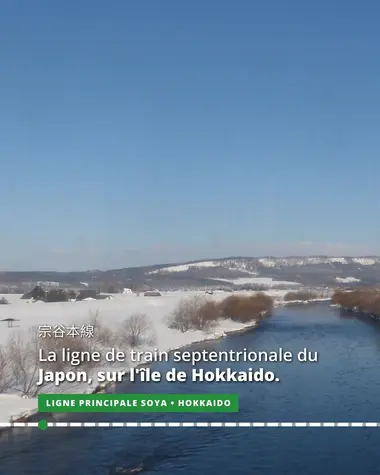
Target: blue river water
<point x="344" y="385"/>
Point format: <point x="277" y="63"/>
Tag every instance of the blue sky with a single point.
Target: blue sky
<point x="160" y="131"/>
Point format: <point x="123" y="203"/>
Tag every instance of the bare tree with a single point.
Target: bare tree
<point x="24" y="360"/>
<point x="182" y="316"/>
<point x="303" y="295"/>
<point x="207" y="316"/>
<point x="364" y="300"/>
<point x="74" y="344"/>
<point x="103" y="336"/>
<point x="194" y="313"/>
<point x="244" y="309"/>
<point x="136" y="331"/>
<point x="5" y="370"/>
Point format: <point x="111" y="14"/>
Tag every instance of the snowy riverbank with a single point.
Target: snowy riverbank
<point x="111" y="313"/>
<point x="302" y="302"/>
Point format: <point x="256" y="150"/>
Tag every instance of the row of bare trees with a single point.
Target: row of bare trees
<point x="305" y="295"/>
<point x="200" y="313"/>
<point x="361" y="300"/>
<point x="20" y="361"/>
<point x="301" y="295"/>
<point x="135" y="331"/>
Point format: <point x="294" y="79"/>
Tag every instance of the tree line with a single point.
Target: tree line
<point x="365" y="300"/>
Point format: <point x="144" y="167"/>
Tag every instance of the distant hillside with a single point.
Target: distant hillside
<point x="312" y="270"/>
<point x="230" y="272"/>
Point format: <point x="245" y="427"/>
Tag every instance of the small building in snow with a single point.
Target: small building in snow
<point x="86" y="294"/>
<point x="104" y="297"/>
<point x="152" y="293"/>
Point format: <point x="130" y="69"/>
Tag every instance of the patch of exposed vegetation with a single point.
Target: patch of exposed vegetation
<point x="359" y="300"/>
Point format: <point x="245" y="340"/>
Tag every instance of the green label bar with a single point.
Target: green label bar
<point x="138" y="403"/>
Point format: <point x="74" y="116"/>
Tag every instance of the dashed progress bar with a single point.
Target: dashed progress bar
<point x="42" y="424"/>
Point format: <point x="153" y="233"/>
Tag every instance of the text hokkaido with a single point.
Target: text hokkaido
<point x="230" y="376"/>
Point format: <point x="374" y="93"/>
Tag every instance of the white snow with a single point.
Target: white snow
<point x="268" y="281"/>
<point x="14" y="405"/>
<point x="339" y="260"/>
<point x="249" y="265"/>
<point x="111" y="313"/>
<point x="185" y="267"/>
<point x="364" y="261"/>
<point x="346" y="280"/>
<point x="268" y="262"/>
<point x="306" y="302"/>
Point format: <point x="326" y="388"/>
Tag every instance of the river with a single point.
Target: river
<point x="343" y="386"/>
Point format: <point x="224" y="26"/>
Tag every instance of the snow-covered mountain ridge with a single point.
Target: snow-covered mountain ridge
<point x="304" y="270"/>
<point x="253" y="265"/>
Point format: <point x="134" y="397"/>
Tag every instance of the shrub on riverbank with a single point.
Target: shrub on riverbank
<point x="301" y="295"/>
<point x="199" y="313"/>
<point x="244" y="309"/>
<point x="360" y="300"/>
<point x="194" y="313"/>
<point x="264" y="303"/>
<point x="135" y="331"/>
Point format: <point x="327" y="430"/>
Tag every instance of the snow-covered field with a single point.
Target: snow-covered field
<point x="111" y="313"/>
<point x="346" y="280"/>
<point x="13" y="405"/>
<point x="186" y="267"/>
<point x="267" y="281"/>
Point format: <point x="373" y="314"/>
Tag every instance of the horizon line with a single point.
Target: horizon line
<point x="171" y="264"/>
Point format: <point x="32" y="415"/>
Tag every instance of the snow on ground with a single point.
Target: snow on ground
<point x="339" y="260"/>
<point x="12" y="404"/>
<point x="268" y="262"/>
<point x="186" y="267"/>
<point x="260" y="281"/>
<point x="111" y="313"/>
<point x="364" y="261"/>
<point x="277" y="294"/>
<point x="347" y="280"/>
